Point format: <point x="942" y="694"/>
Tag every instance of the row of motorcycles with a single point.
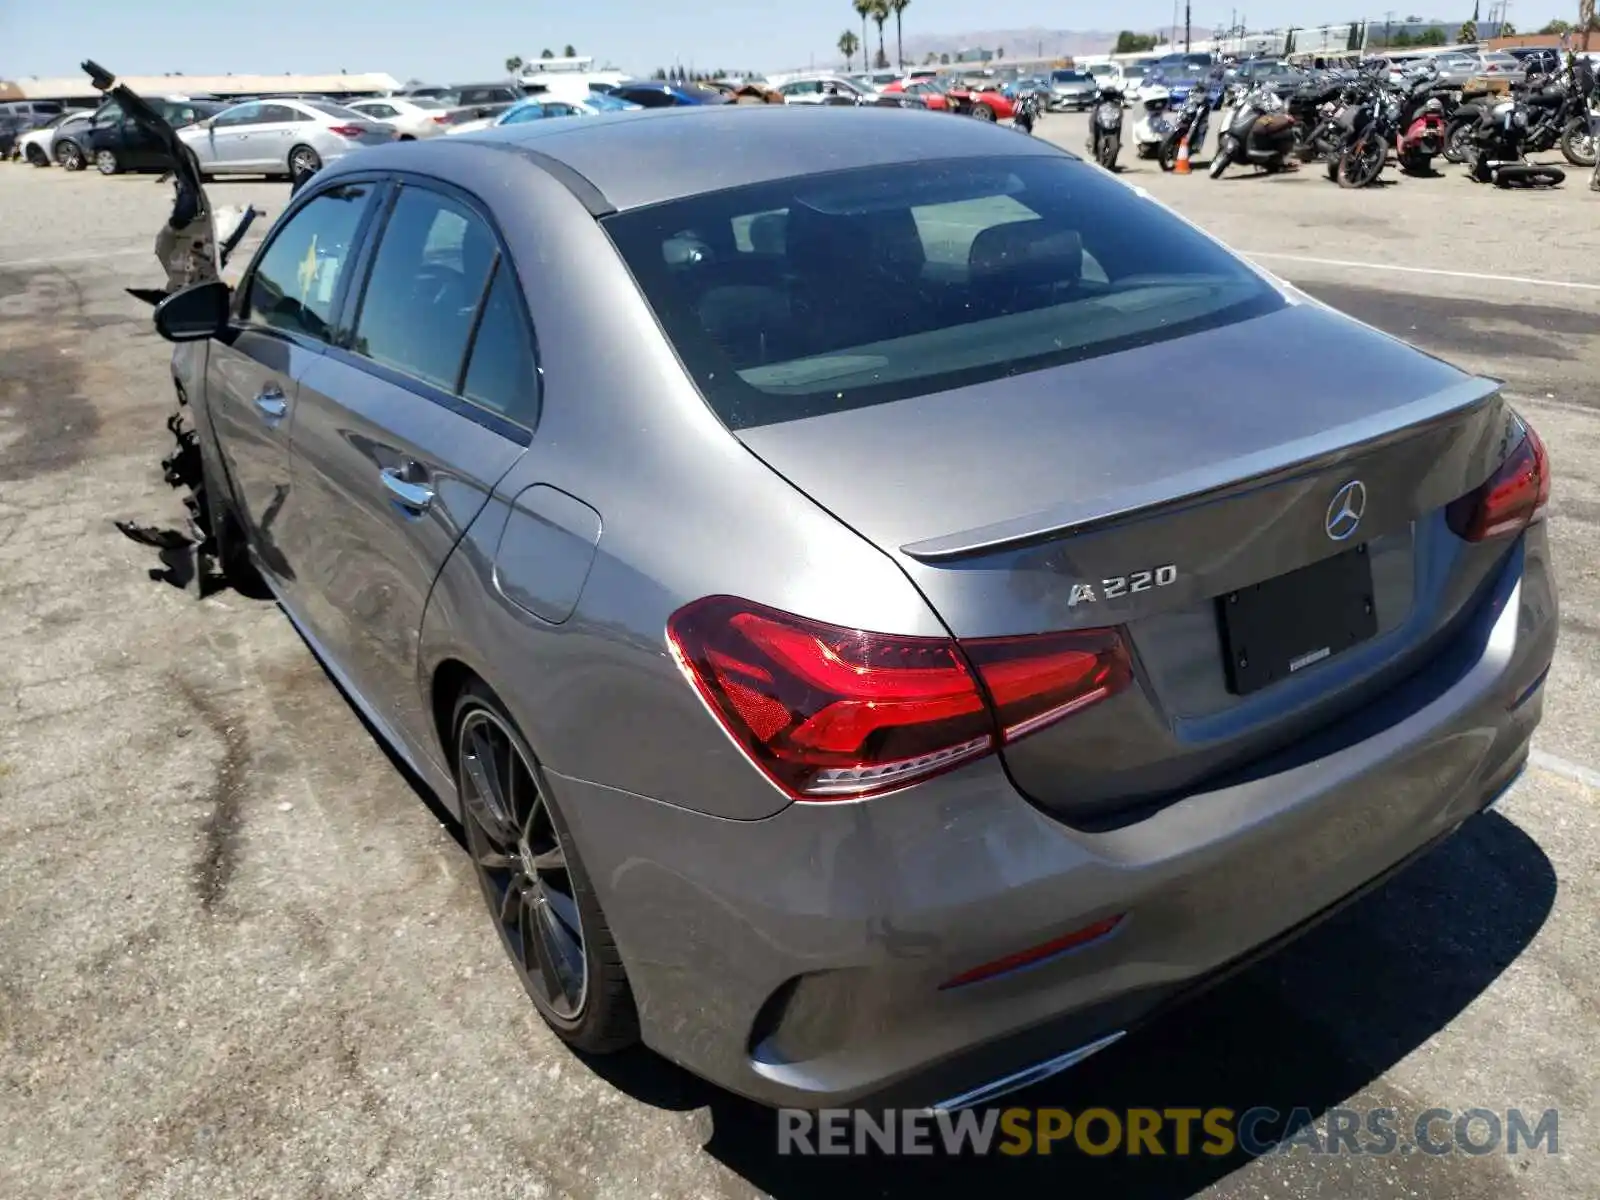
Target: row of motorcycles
<point x="1352" y="121"/>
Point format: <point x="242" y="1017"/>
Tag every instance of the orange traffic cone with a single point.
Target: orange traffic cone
<point x="1182" y="167"/>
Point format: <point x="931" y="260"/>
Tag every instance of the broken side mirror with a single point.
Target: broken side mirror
<point x="198" y="312"/>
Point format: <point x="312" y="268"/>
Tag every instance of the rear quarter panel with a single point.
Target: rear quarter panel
<point x="684" y="511"/>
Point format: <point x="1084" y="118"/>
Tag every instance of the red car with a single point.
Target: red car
<point x="985" y="102"/>
<point x="922" y="89"/>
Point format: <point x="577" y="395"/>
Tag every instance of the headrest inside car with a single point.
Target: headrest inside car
<point x="1027" y="252"/>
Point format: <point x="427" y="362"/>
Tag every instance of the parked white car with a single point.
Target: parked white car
<point x="280" y="137"/>
<point x="411" y="117"/>
<point x="38" y="145"/>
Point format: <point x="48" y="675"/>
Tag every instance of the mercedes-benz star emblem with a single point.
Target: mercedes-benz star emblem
<point x="1345" y="510"/>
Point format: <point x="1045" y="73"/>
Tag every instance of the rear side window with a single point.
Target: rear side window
<point x="501" y="375"/>
<point x="427" y="279"/>
<point x="295" y="285"/>
<point x="815" y="294"/>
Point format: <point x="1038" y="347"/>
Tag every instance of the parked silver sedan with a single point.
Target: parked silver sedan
<point x="880" y="613"/>
<point x="280" y="137"/>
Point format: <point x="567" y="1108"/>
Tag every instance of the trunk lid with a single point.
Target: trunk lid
<point x="1135" y="489"/>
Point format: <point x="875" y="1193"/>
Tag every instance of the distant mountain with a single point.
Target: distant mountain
<point x="1017" y="43"/>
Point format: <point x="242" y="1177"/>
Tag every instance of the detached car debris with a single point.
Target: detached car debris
<point x="192" y="246"/>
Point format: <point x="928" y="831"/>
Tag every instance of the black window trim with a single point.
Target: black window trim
<point x="348" y="314"/>
<point x="359" y="241"/>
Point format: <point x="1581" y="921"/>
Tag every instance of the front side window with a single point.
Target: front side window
<point x="281" y="114"/>
<point x="295" y="284"/>
<point x="242" y="114"/>
<point x="427" y="279"/>
<point x="813" y="294"/>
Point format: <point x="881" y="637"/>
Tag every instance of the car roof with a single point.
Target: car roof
<point x="635" y="159"/>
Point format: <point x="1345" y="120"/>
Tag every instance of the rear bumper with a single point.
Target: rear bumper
<point x="797" y="959"/>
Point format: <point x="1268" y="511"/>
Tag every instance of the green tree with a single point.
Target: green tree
<point x="880" y="14"/>
<point x="1556" y="29"/>
<point x="864" y="11"/>
<point x="944" y="60"/>
<point x="1129" y="42"/>
<point x="929" y="58"/>
<point x="547" y="54"/>
<point x="897" y="7"/>
<point x="848" y="45"/>
<point x="1507" y="29"/>
<point x="659" y="73"/>
<point x="569" y="51"/>
<point x="513" y="64"/>
<point x="1401" y="40"/>
<point x="1000" y="52"/>
<point x="1467" y="34"/>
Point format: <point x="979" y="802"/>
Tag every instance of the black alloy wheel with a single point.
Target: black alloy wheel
<point x="535" y="887"/>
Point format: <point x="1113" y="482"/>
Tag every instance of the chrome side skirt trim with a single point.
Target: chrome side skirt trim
<point x="1026" y="1076"/>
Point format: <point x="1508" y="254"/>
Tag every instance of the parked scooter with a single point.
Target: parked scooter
<point x="1154" y="125"/>
<point x="1260" y="132"/>
<point x="1105" y="126"/>
<point x="1421" y="128"/>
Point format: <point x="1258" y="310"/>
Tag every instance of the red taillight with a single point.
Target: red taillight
<point x="441" y="120"/>
<point x="1508" y="500"/>
<point x="832" y="713"/>
<point x="348" y="131"/>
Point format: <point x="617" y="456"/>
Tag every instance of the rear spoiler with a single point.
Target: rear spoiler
<point x="1141" y="498"/>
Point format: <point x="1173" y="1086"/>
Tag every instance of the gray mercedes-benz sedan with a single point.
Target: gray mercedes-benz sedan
<point x="892" y="606"/>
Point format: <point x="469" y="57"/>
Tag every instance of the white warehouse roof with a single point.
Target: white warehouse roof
<point x="75" y="87"/>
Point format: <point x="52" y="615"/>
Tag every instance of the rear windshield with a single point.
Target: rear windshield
<point x="424" y="102"/>
<point x="1070" y="77"/>
<point x="821" y="293"/>
<point x="335" y="110"/>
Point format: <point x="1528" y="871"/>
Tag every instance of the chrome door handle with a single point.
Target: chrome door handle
<point x="272" y="403"/>
<point x="415" y="497"/>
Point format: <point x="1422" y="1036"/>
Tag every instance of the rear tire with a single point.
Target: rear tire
<point x="526" y="860"/>
<point x="69" y="155"/>
<point x="983" y="112"/>
<point x="303" y="161"/>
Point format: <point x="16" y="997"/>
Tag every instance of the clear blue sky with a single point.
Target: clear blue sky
<point x="445" y="42"/>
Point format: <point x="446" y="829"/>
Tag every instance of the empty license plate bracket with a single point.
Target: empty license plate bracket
<point x="1275" y="628"/>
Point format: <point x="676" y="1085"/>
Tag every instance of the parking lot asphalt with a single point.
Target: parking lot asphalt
<point x="241" y="955"/>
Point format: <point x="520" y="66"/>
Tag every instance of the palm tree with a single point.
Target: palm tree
<point x="848" y="45"/>
<point x="897" y="7"/>
<point x="880" y="14"/>
<point x="513" y="64"/>
<point x="864" y="12"/>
